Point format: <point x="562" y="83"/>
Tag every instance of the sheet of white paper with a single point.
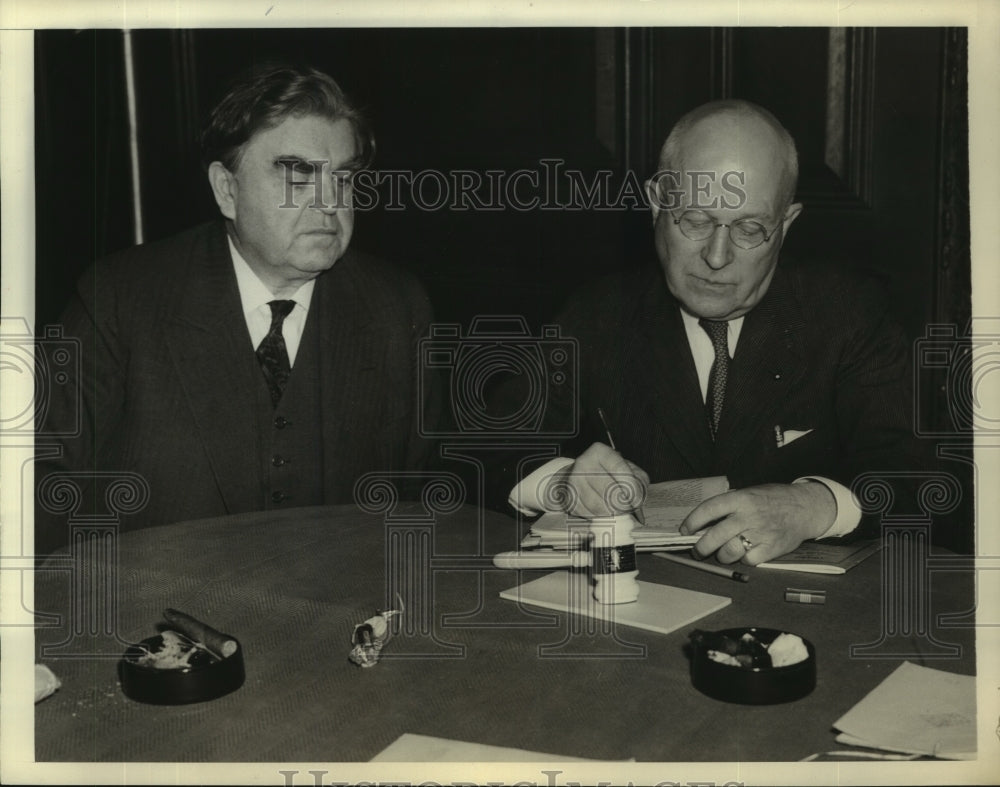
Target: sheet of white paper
<point x="410" y="747"/>
<point x="917" y="710"/>
<point x="660" y="608"/>
<point x="46" y="682"/>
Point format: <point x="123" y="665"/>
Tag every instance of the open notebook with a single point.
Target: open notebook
<point x="665" y="507"/>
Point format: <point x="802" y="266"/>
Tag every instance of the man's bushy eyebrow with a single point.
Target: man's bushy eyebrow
<point x="289" y="161"/>
<point x="353" y="163"/>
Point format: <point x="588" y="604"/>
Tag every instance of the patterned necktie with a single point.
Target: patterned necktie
<point x="718" y="333"/>
<point x="272" y="354"/>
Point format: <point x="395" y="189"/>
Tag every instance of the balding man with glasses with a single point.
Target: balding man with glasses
<point x="790" y="381"/>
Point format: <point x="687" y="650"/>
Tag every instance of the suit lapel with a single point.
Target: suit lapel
<point x="672" y="379"/>
<point x="345" y="331"/>
<point x="767" y="363"/>
<point x="214" y="361"/>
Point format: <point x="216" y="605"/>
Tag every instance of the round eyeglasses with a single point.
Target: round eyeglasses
<point x="745" y="233"/>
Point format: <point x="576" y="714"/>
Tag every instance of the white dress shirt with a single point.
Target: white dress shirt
<point x="255" y="297"/>
<point x="526" y="494"/>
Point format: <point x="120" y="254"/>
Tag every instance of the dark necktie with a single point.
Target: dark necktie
<point x="718" y="333"/>
<point x="272" y="354"/>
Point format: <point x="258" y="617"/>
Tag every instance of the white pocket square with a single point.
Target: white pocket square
<point x="790" y="435"/>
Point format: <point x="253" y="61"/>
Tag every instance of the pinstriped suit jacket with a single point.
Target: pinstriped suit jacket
<point x="169" y="378"/>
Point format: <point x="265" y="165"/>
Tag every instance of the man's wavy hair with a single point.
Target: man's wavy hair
<point x="267" y="95"/>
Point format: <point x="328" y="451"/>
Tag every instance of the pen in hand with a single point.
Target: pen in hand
<point x="636" y="512"/>
<point x="607" y="430"/>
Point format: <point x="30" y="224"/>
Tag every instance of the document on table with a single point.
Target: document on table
<point x="660" y="608"/>
<point x="823" y="558"/>
<point x="665" y="507"/>
<point x="917" y="710"/>
<point x="425" y="748"/>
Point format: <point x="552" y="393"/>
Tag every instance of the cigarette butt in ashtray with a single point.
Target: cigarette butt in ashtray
<point x="219" y="644"/>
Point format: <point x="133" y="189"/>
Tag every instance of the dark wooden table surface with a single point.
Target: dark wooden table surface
<point x="467" y="665"/>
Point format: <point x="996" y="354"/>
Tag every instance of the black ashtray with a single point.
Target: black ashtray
<point x="203" y="676"/>
<point x="753" y="681"/>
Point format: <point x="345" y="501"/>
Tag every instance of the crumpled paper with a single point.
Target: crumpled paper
<point x="370" y="637"/>
<point x="46" y="682"/>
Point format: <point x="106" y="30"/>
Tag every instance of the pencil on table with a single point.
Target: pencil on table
<point x="709" y="567"/>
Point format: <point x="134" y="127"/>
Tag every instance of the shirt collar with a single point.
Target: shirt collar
<point x="734" y="327"/>
<point x="254" y="293"/>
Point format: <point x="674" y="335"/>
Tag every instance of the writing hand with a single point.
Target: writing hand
<point x="773" y="518"/>
<point x="600" y="482"/>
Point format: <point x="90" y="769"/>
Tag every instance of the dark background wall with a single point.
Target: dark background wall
<point x="437" y="99"/>
<point x="890" y="104"/>
<point x="880" y="117"/>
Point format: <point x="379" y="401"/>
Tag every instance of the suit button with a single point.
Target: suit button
<point x="281" y="422"/>
<point x="279" y="497"/>
<point x="277" y="460"/>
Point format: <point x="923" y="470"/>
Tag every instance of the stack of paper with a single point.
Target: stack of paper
<point x="916" y="710"/>
<point x="561" y="531"/>
<point x="664" y="509"/>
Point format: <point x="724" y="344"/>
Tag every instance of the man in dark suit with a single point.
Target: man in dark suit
<point x="254" y="362"/>
<point x="789" y="381"/>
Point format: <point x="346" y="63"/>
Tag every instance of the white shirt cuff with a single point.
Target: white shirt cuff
<point x="528" y="496"/>
<point x="848" y="510"/>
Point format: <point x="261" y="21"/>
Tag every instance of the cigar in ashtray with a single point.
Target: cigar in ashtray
<point x="218" y="644"/>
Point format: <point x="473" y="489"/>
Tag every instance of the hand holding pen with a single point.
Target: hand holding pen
<point x="601" y="483"/>
<point x="637" y="511"/>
